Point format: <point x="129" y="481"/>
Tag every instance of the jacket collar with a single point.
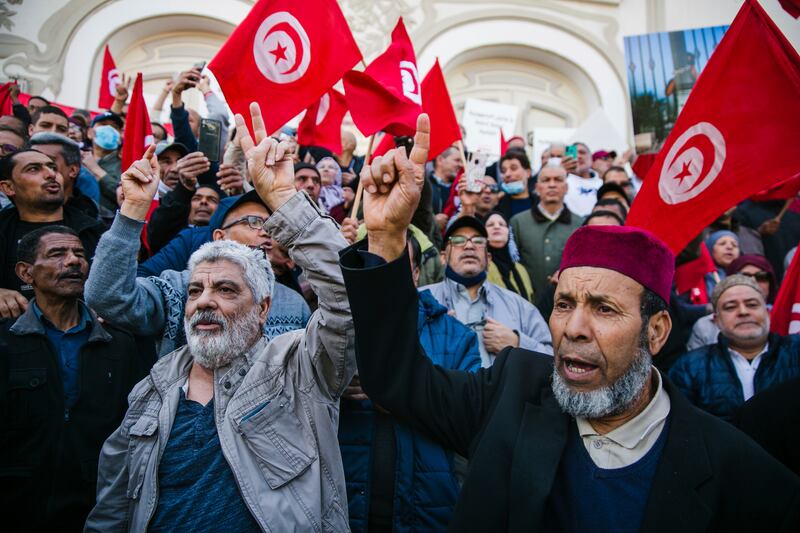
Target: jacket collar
<point x="537" y="454"/>
<point x="29" y="324"/>
<point x="173" y="369"/>
<point x="683" y="467"/>
<point x="565" y="217"/>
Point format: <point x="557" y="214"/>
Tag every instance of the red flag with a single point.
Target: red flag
<point x="437" y="104"/>
<point x="782" y="191"/>
<point x="785" y="316"/>
<point x="691" y="276"/>
<point x="792" y="7"/>
<point x="138" y="133"/>
<point x="386" y="144"/>
<point x="387" y="95"/>
<point x="322" y="124"/>
<point x="284" y="55"/>
<point x="109" y="79"/>
<point x="503" y="143"/>
<point x="707" y="163"/>
<point x="643" y="163"/>
<point x="6" y="105"/>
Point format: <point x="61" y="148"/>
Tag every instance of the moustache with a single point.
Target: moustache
<point x="207" y="318"/>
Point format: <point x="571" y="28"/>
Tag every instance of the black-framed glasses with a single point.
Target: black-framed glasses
<point x="758" y="276"/>
<point x="492" y="188"/>
<point x="459" y="240"/>
<point x="253" y="221"/>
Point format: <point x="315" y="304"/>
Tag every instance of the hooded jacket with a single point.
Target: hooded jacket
<point x="425" y="485"/>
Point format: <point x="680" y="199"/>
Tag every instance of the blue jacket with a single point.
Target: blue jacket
<point x="175" y="255"/>
<point x="425" y="486"/>
<point x="708" y="378"/>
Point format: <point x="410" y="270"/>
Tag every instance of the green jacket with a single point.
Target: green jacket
<point x="541" y="242"/>
<point x="112" y="164"/>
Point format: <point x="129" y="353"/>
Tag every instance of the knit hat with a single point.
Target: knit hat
<point x="733" y="281"/>
<point x="712" y="239"/>
<point x="758" y="261"/>
<point x="633" y="252"/>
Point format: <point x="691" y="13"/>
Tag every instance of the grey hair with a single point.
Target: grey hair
<point x="70" y="150"/>
<point x="256" y="270"/>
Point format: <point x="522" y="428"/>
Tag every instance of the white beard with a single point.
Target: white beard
<point x="213" y="350"/>
<point x="610" y="400"/>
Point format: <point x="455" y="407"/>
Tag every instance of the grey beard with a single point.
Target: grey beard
<point x="215" y="350"/>
<point x="605" y="401"/>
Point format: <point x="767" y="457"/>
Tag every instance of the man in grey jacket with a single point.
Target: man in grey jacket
<point x="235" y="430"/>
<point x="498" y="316"/>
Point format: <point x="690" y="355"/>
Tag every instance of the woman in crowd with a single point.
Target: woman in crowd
<point x="331" y="197"/>
<point x="504" y="269"/>
<point x="723" y="245"/>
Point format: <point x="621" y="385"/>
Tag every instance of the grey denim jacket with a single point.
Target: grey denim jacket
<point x="276" y="407"/>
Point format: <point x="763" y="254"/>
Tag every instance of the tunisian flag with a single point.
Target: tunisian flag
<point x="437" y="104"/>
<point x="6" y="104"/>
<point x="322" y="124"/>
<point x="109" y="79"/>
<point x="285" y="55"/>
<point x="743" y="105"/>
<point x="785" y="317"/>
<point x="387" y="95"/>
<point x="138" y="133"/>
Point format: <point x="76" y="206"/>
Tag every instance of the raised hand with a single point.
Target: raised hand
<point x="139" y="185"/>
<point x="392" y="188"/>
<point x="269" y="162"/>
<point x="190" y="166"/>
<point x="230" y="180"/>
<point x="122" y="89"/>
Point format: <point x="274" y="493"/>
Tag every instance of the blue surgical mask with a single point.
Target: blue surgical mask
<point x="106" y="137"/>
<point x="513" y="187"/>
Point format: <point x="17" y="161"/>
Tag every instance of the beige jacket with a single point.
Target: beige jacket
<point x="277" y="407"/>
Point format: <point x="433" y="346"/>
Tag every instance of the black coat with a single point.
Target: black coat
<point x="772" y="418"/>
<point x="48" y="465"/>
<point x="507" y="422"/>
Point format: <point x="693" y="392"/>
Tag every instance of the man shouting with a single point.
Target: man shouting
<point x="592" y="439"/>
<point x="233" y="432"/>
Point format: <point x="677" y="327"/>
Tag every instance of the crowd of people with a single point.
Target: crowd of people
<point x="253" y="353"/>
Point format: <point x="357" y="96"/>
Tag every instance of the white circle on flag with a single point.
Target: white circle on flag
<point x="324" y="107"/>
<point x="281" y="48"/>
<point x="113" y="81"/>
<point x="410" y="79"/>
<point x="688" y="169"/>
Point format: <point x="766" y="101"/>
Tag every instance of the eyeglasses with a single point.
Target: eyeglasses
<point x="459" y="240"/>
<point x="758" y="276"/>
<point x="253" y="221"/>
<point x="492" y="188"/>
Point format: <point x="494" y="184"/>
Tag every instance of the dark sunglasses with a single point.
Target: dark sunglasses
<point x="758" y="276"/>
<point x="253" y="221"/>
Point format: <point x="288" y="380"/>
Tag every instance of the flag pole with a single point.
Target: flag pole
<point x="785" y="208"/>
<point x="360" y="190"/>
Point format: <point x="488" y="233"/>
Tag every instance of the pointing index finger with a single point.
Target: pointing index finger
<point x="243" y="134"/>
<point x="422" y="140"/>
